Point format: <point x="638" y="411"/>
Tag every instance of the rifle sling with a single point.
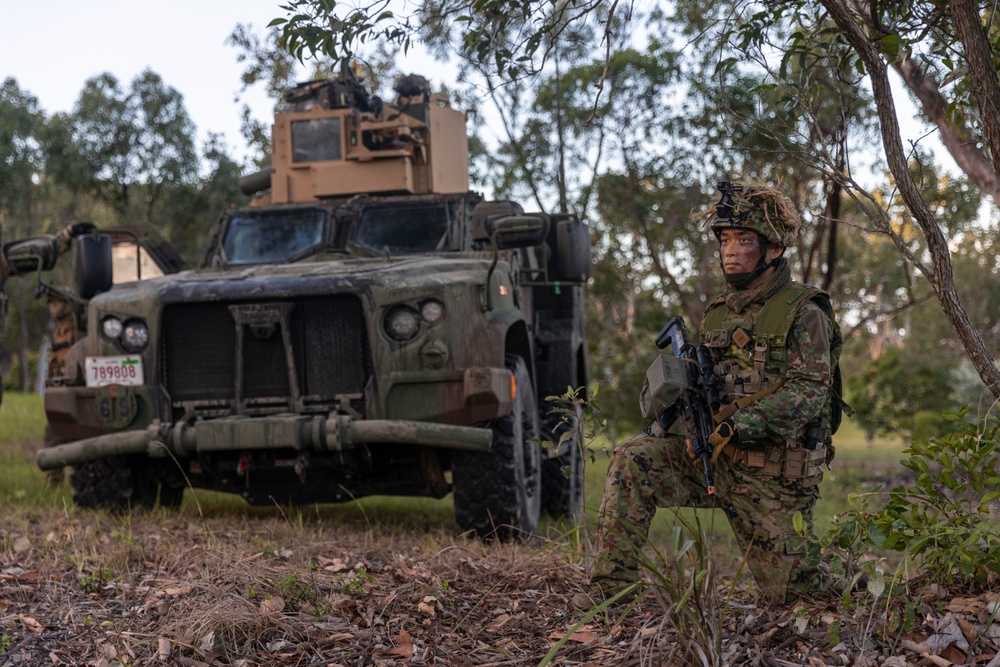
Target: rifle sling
<point x="727" y="411"/>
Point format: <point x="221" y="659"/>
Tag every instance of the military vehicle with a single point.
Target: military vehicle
<point x="367" y="325"/>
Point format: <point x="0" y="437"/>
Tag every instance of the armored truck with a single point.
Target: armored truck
<point x="367" y="325"/>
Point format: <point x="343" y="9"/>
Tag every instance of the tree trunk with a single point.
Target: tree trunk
<point x="966" y="154"/>
<point x="23" y="344"/>
<point x="983" y="74"/>
<point x="941" y="277"/>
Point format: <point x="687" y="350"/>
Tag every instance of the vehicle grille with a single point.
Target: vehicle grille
<point x="329" y="352"/>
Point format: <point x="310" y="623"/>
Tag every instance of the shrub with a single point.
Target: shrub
<point x="943" y="520"/>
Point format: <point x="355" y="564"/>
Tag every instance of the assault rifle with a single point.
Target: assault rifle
<point x="699" y="397"/>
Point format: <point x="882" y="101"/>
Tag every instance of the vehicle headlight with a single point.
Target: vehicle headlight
<point x="402" y="323"/>
<point x="111" y="327"/>
<point x="432" y="311"/>
<point x="135" y="336"/>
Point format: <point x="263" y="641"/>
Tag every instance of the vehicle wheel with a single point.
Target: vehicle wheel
<point x="562" y="476"/>
<point x="498" y="493"/>
<point x="123" y="483"/>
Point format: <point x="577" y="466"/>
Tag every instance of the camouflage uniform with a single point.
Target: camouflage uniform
<point x="773" y="470"/>
<point x="65" y="332"/>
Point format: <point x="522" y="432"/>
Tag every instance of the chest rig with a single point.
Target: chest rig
<point x="750" y="351"/>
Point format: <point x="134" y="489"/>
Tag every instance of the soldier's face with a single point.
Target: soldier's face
<point x="739" y="249"/>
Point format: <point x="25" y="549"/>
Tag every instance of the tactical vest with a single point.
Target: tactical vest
<point x="751" y="353"/>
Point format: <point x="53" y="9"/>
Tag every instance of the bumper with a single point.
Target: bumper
<point x="335" y="433"/>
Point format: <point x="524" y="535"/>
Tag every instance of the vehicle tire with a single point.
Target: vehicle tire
<point x="498" y="493"/>
<point x="562" y="476"/>
<point x="123" y="483"/>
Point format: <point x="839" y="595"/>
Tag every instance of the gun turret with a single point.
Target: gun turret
<point x="333" y="139"/>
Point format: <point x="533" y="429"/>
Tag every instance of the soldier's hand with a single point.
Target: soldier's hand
<point x="81" y="228"/>
<point x="723" y="434"/>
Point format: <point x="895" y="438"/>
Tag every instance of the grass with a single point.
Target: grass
<point x="22" y="426"/>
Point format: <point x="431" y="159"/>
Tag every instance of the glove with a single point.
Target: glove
<point x="723" y="434"/>
<point x="81" y="228"/>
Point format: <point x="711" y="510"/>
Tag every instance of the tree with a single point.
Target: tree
<point x="135" y="144"/>
<point x="263" y="62"/>
<point x="21" y="163"/>
<point x="986" y="93"/>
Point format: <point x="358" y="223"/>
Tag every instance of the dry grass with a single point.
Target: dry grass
<point x="377" y="582"/>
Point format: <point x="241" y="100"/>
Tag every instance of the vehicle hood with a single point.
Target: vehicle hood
<point x="276" y="281"/>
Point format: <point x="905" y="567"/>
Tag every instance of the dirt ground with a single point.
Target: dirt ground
<point x="247" y="588"/>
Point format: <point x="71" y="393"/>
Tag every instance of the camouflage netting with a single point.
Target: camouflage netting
<point x="759" y="208"/>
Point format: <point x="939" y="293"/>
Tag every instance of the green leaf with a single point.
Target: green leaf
<point x="876" y="537"/>
<point x="798" y="523"/>
<point x="876" y="583"/>
<point x="890" y="46"/>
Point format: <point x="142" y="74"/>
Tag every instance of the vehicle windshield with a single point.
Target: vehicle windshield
<point x="272" y="236"/>
<point x="402" y="229"/>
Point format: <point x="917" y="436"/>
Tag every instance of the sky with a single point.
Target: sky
<point x="51" y="49"/>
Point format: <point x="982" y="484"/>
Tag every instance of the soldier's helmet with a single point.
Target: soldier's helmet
<point x="59" y="306"/>
<point x="757" y="208"/>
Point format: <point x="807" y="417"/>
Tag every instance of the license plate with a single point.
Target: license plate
<point x="123" y="370"/>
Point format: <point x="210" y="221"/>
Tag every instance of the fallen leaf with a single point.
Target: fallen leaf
<point x="31" y="624"/>
<point x="334" y="564"/>
<point x="895" y="661"/>
<point x="402" y="650"/>
<point x="178" y="590"/>
<point x="936" y="660"/>
<point x="498" y="622"/>
<point x="272" y="606"/>
<point x="207" y="642"/>
<point x="21" y="544"/>
<point x="954" y="655"/>
<point x="968" y="629"/>
<point x="957" y="605"/>
<point x="163" y="649"/>
<point x="948" y="633"/>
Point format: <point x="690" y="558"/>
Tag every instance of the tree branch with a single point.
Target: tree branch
<point x="942" y="279"/>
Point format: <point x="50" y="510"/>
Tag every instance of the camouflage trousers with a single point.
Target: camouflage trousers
<point x="647" y="472"/>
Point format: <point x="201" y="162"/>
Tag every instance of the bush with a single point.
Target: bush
<point x="12" y="379"/>
<point x="943" y="521"/>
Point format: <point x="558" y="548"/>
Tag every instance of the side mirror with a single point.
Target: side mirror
<point x="517" y="231"/>
<point x="572" y="255"/>
<point x="94" y="273"/>
<point x="491" y="210"/>
<point x="35" y="253"/>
